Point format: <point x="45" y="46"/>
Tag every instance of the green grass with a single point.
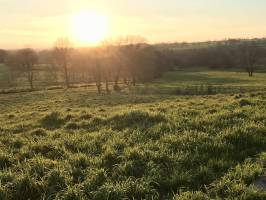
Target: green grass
<point x="226" y="78"/>
<point x="197" y="82"/>
<point x="75" y="144"/>
<point x="4" y="72"/>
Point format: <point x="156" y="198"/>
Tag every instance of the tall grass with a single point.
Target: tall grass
<point x="78" y="145"/>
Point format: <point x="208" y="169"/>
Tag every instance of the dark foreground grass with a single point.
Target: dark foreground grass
<point x="78" y="145"/>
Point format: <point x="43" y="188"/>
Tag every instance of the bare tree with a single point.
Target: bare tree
<point x="98" y="75"/>
<point x="24" y="61"/>
<point x="132" y="46"/>
<point x="108" y="57"/>
<point x="118" y="60"/>
<point x="47" y="60"/>
<point x="62" y="51"/>
<point x="81" y="62"/>
<point x="249" y="54"/>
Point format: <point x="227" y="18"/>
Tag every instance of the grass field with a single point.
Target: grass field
<point x="76" y="144"/>
<point x="227" y="78"/>
<point x="4" y="73"/>
<point x="205" y="82"/>
<point x="178" y="82"/>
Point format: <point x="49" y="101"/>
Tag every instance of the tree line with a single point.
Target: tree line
<point x="129" y="60"/>
<point x="248" y="55"/>
<point x="126" y="60"/>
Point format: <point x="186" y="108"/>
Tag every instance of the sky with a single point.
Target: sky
<point x="38" y="23"/>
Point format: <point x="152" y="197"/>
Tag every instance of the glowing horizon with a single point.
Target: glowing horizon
<point x="38" y="24"/>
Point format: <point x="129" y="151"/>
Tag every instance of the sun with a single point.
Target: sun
<point x="89" y="27"/>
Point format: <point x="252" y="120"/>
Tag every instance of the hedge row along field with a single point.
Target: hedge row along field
<point x="75" y="144"/>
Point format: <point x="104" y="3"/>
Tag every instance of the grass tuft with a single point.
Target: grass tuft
<point x="52" y="120"/>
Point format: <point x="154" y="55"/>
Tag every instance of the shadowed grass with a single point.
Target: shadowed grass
<point x="78" y="145"/>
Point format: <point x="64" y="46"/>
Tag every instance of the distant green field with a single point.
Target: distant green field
<point x="3" y="72"/>
<point x="198" y="82"/>
<point x="225" y="78"/>
<point x="76" y="144"/>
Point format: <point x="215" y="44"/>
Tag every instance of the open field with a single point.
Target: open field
<point x="199" y="82"/>
<point x="76" y="144"/>
<point x="133" y="100"/>
<point x="204" y="82"/>
<point x="226" y="78"/>
<point x="4" y="73"/>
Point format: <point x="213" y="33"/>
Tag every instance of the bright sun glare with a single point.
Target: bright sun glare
<point x="89" y="27"/>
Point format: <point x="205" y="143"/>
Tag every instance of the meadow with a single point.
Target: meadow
<point x="4" y="73"/>
<point x="76" y="144"/>
<point x="204" y="82"/>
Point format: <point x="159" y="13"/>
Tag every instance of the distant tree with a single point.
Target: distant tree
<point x="249" y="55"/>
<point x="98" y="75"/>
<point x="81" y="62"/>
<point x="24" y="61"/>
<point x="104" y="56"/>
<point x="132" y="48"/>
<point x="47" y="60"/>
<point x="3" y="55"/>
<point x="62" y="51"/>
<point x="118" y="61"/>
<point x="97" y="68"/>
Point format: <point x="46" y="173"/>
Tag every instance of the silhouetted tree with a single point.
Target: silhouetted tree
<point x="98" y="75"/>
<point x="249" y="54"/>
<point x="24" y="61"/>
<point x="62" y="50"/>
<point x="48" y="63"/>
<point x="132" y="48"/>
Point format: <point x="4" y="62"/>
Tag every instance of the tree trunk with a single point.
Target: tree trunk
<point x="117" y="77"/>
<point x="251" y="74"/>
<point x="31" y="80"/>
<point x="98" y="85"/>
<point x="125" y="81"/>
<point x="250" y="71"/>
<point x="66" y="75"/>
<point x="107" y="87"/>
<point x="30" y="77"/>
<point x="134" y="81"/>
<point x="116" y="81"/>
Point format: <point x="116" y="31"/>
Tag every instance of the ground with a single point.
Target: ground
<point x="76" y="144"/>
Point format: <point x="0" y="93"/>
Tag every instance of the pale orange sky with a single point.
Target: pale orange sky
<point x="37" y="24"/>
